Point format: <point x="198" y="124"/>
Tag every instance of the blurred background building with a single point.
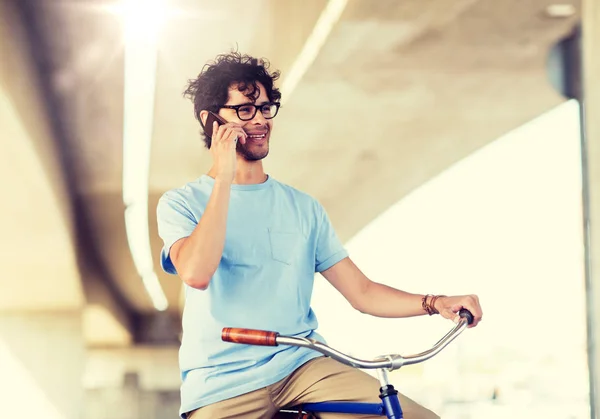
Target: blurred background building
<point x="442" y="136"/>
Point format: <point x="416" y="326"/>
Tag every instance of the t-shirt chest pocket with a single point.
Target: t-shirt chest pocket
<point x="255" y="246"/>
<point x="285" y="244"/>
<point x="249" y="246"/>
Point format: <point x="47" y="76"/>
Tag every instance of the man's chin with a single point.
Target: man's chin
<point x="254" y="155"/>
<point x="250" y="156"/>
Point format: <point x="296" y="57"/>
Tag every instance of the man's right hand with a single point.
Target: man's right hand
<point x="223" y="149"/>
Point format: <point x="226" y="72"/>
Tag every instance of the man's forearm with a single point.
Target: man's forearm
<point x="201" y="253"/>
<point x="383" y="301"/>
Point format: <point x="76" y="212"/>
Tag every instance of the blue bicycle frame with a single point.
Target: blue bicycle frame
<point x="347" y="407"/>
<point x="389" y="408"/>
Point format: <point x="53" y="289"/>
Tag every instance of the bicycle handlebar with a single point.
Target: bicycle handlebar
<point x="390" y="362"/>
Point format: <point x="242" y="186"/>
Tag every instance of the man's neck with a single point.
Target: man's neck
<point x="247" y="173"/>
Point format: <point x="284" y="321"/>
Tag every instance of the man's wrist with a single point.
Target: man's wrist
<point x="223" y="181"/>
<point x="438" y="303"/>
<point x="430" y="303"/>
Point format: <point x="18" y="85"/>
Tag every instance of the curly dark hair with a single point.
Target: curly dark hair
<point x="210" y="90"/>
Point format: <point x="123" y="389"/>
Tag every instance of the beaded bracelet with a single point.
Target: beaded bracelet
<point x="429" y="307"/>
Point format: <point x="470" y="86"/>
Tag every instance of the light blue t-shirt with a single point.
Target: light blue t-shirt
<point x="276" y="239"/>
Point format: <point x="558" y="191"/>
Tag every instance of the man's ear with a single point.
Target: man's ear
<point x="203" y="115"/>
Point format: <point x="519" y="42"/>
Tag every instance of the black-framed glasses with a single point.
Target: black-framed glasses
<point x="247" y="111"/>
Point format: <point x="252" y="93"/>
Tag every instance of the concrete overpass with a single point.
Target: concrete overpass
<point x="396" y="92"/>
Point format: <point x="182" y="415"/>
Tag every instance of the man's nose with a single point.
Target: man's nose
<point x="259" y="118"/>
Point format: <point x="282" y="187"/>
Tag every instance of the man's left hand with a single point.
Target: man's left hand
<point x="450" y="306"/>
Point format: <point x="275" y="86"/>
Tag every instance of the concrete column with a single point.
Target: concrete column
<point x="42" y="359"/>
<point x="591" y="163"/>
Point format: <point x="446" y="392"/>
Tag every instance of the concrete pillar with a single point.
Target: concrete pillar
<point x="591" y="167"/>
<point x="42" y="359"/>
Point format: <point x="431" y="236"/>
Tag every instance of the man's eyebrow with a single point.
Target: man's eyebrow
<point x="240" y="104"/>
<point x="252" y="103"/>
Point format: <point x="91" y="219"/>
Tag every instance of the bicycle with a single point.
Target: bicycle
<point x="390" y="404"/>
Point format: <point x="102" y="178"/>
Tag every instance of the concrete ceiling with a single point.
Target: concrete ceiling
<point x="399" y="92"/>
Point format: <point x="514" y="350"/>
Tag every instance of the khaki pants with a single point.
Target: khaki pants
<point x="321" y="379"/>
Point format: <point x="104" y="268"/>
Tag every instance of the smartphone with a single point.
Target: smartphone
<point x="210" y="119"/>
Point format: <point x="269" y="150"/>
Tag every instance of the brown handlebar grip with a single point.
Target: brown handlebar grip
<point x="249" y="336"/>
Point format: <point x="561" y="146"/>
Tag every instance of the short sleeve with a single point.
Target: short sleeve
<point x="175" y="221"/>
<point x="329" y="249"/>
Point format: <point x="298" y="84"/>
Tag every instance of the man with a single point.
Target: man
<point x="247" y="247"/>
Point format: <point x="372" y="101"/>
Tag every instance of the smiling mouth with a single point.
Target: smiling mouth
<point x="257" y="136"/>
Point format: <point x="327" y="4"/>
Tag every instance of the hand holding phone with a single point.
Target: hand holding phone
<point x="224" y="136"/>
